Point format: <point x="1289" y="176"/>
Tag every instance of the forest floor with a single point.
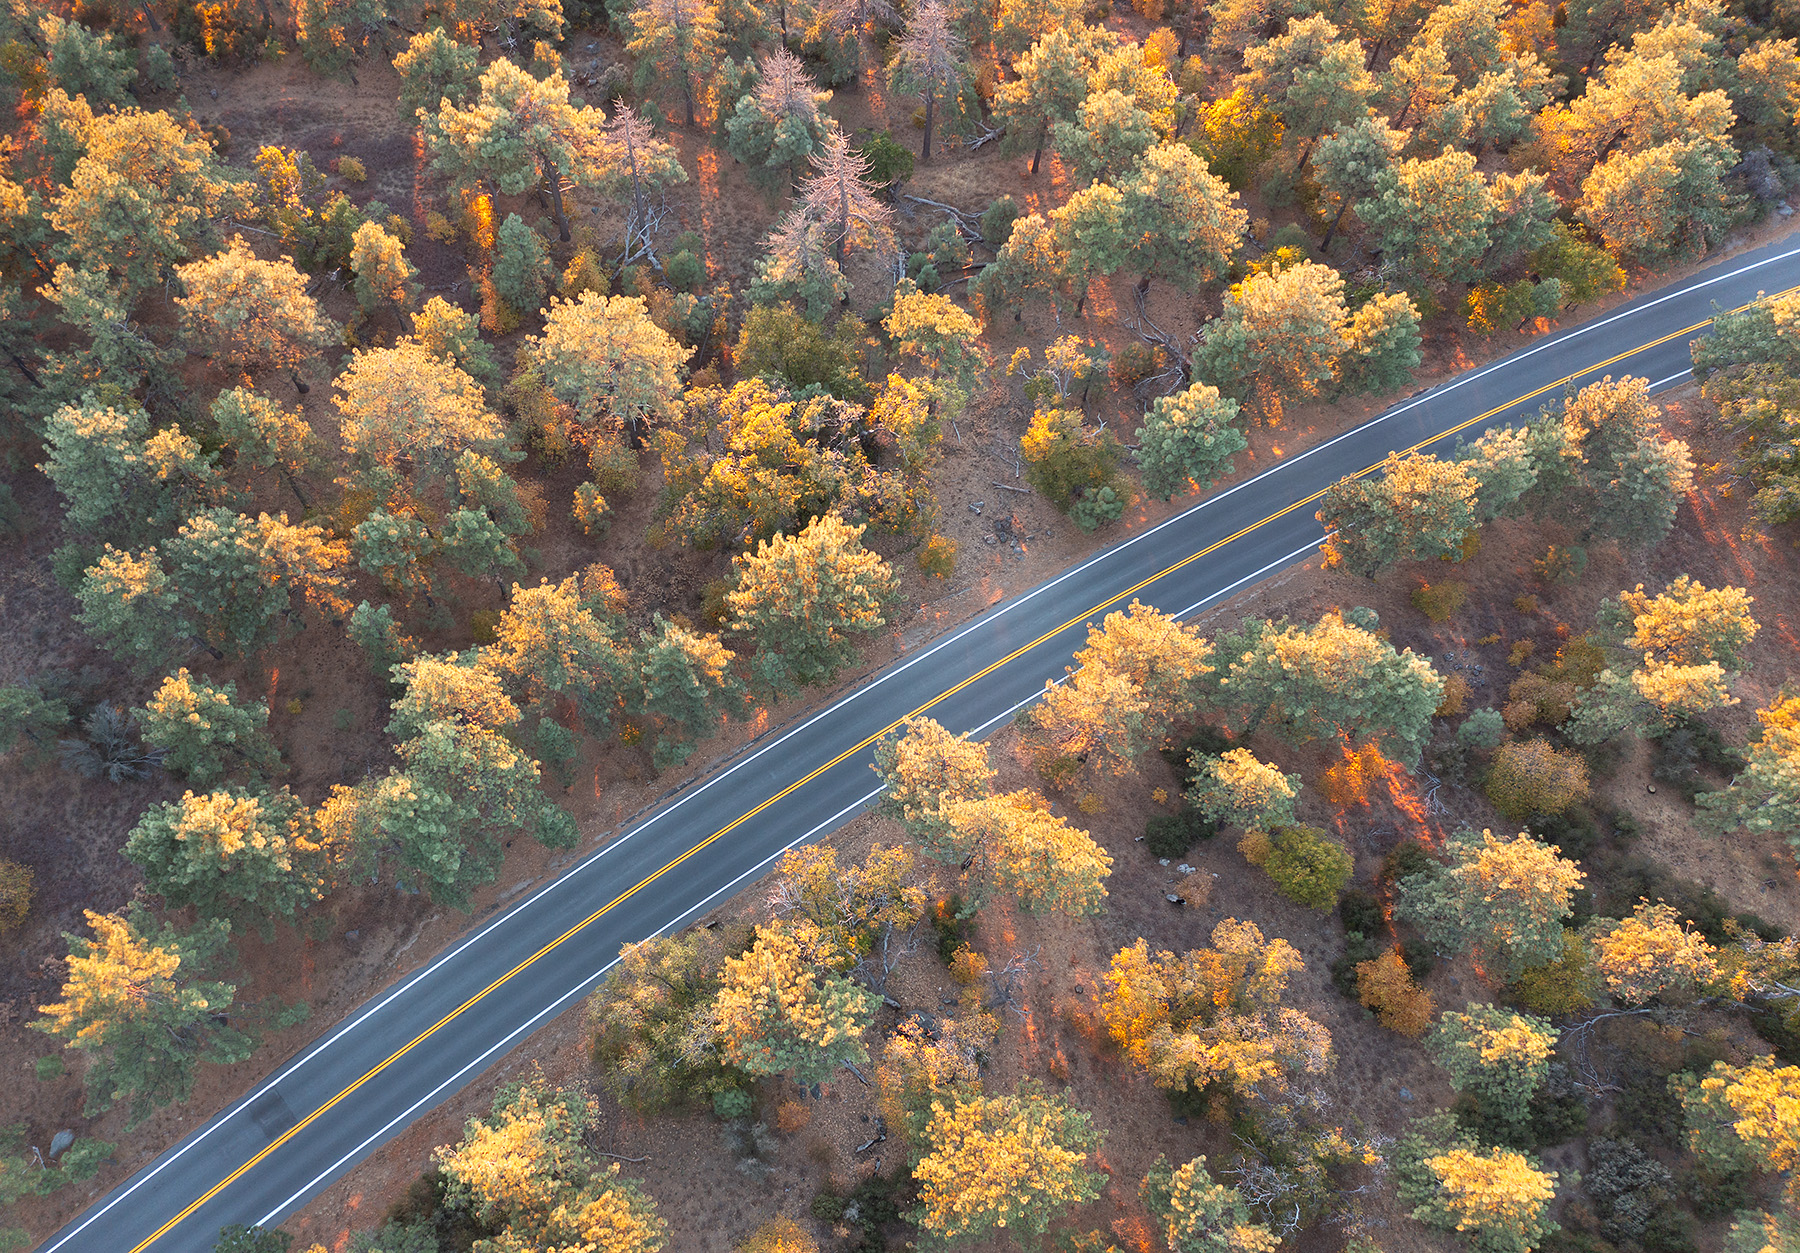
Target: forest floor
<point x="329" y="713"/>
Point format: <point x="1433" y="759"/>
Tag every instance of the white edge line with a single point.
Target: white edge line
<point x="829" y="823"/>
<point x="371" y="1008"/>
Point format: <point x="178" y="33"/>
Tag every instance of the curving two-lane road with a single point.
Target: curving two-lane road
<point x="416" y="1045"/>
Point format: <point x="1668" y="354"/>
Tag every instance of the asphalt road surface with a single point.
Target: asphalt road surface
<point x="414" y="1046"/>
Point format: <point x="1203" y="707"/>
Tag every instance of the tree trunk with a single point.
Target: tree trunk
<point x="1043" y="134"/>
<point x="1306" y="152"/>
<point x="554" y="182"/>
<point x="687" y="99"/>
<point x="1332" y="229"/>
<point x="930" y="116"/>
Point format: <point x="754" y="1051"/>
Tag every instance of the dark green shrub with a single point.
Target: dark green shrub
<point x="890" y="161"/>
<point x="997" y="221"/>
<point x="1630" y="1188"/>
<point x="1573" y="831"/>
<point x="1419" y="956"/>
<point x="1359" y="912"/>
<point x="1208" y="741"/>
<point x="1408" y="858"/>
<point x="950" y="925"/>
<point x="1172" y="835"/>
<point x="685" y="272"/>
<point x="779" y="341"/>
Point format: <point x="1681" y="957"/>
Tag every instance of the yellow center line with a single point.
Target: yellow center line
<point x="613" y="904"/>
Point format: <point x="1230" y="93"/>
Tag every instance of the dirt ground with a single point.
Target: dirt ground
<point x="328" y="715"/>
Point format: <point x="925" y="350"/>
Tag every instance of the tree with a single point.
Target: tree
<point x="333" y="33"/>
<point x="522" y="268"/>
<point x="521" y="132"/>
<point x="804" y="599"/>
<point x="1606" y="459"/>
<point x="1435" y="215"/>
<point x="203" y="731"/>
<point x="1195" y="1213"/>
<point x="435" y="68"/>
<point x="1746" y="1116"/>
<point x="383" y="274"/>
<point x="778" y="1013"/>
<point x="1163" y="658"/>
<point x="99" y="459"/>
<point x="1093" y="723"/>
<point x="1686" y="624"/>
<point x="407" y="416"/>
<point x="137" y="1002"/>
<point x="1420" y="508"/>
<point x="1316" y="81"/>
<point x="1505" y="899"/>
<point x="838" y="210"/>
<point x="143" y="196"/>
<point x="1182" y="221"/>
<point x="1650" y="954"/>
<point x="1238" y="790"/>
<point x="1765" y="796"/>
<point x="1019" y="847"/>
<point x="1031" y="266"/>
<point x="1332" y="675"/>
<point x="1386" y="985"/>
<point x="81" y="63"/>
<point x="676" y="43"/>
<point x="251" y="314"/>
<point x="1013" y="1162"/>
<point x="1381" y="345"/>
<point x="1050" y="83"/>
<point x="930" y="63"/>
<point x="1351" y="164"/>
<point x="526" y="1171"/>
<point x="637" y="160"/>
<point x="933" y="330"/>
<point x="608" y="362"/>
<point x="1188" y="441"/>
<point x="856" y="909"/>
<point x="652" y="1021"/>
<point x="1498" y="1199"/>
<point x="235" y="575"/>
<point x="1106" y="138"/>
<point x="553" y="643"/>
<point x="452" y="336"/>
<point x="1501" y="1056"/>
<point x="1215" y="1015"/>
<point x="263" y="435"/>
<point x="1308" y="866"/>
<point x="1280" y="334"/>
<point x="1533" y="777"/>
<point x="127" y="603"/>
<point x="923" y="769"/>
<point x="230" y="853"/>
<point x="777" y="127"/>
<point x="920" y="1068"/>
<point x="688" y="684"/>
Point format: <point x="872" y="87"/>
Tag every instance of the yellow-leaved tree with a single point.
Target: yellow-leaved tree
<point x="1003" y="1162"/>
<point x="1215" y="1015"/>
<point x="781" y="1009"/>
<point x="925" y="767"/>
<point x="1019" y="846"/>
<point x="1650" y="954"/>
<point x="1498" y="1199"/>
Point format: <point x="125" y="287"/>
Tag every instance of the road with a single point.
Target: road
<point x="416" y="1045"/>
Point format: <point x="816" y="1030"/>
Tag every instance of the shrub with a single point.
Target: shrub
<point x="1406" y="859"/>
<point x="1525" y="604"/>
<point x="1483" y="729"/>
<point x="1097" y="506"/>
<point x="1172" y="835"/>
<point x="1359" y="912"/>
<point x="1347" y="783"/>
<point x="1563" y="987"/>
<point x="938" y="557"/>
<point x="685" y="272"/>
<point x="1533" y="777"/>
<point x="1629" y="1187"/>
<point x="1386" y="986"/>
<point x="997" y="221"/>
<point x="1438" y="601"/>
<point x="1308" y="866"/>
<point x="591" y="510"/>
<point x="1561" y="564"/>
<point x="1456" y="694"/>
<point x="1134" y="363"/>
<point x="779" y="341"/>
<point x="889" y="160"/>
<point x="15" y="894"/>
<point x="351" y="170"/>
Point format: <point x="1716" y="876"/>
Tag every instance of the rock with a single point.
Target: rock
<point x="1162" y="861"/>
<point x="60" y="1142"/>
<point x="1786" y="210"/>
<point x="1650" y="788"/>
<point x="988" y="540"/>
<point x="353" y="936"/>
<point x="977" y="507"/>
<point x="1174" y="899"/>
<point x="1406" y="1094"/>
<point x="1184" y="868"/>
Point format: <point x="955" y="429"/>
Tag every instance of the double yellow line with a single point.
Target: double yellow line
<point x="626" y="895"/>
